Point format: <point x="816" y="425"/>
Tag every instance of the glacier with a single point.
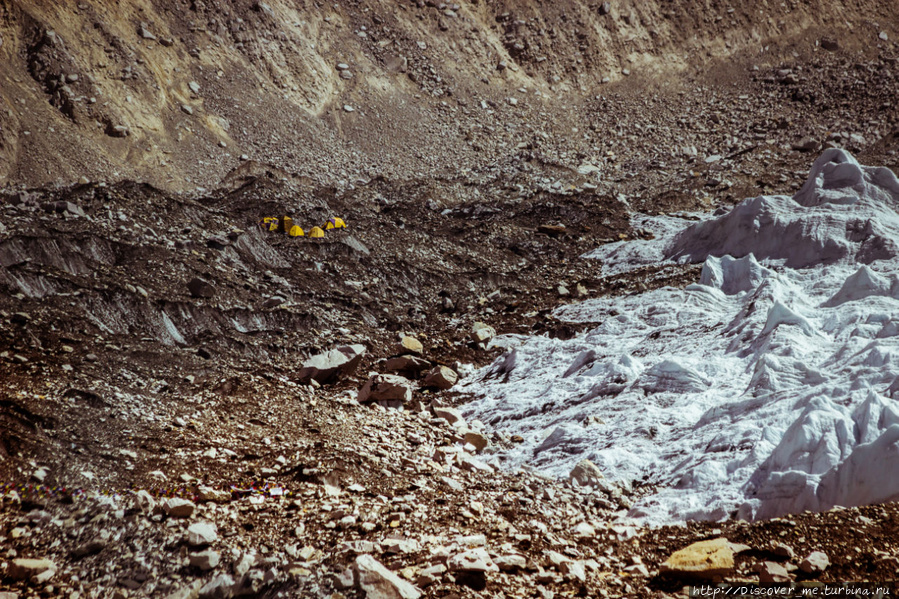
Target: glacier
<point x="763" y="389"/>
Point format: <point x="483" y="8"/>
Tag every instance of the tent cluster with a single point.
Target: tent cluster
<point x="285" y="224"/>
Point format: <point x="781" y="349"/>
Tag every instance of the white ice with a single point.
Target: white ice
<point x="765" y="388"/>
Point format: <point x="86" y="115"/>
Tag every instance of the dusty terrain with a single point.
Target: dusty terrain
<point x="475" y="151"/>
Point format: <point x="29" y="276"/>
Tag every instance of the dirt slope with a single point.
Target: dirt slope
<point x="174" y="93"/>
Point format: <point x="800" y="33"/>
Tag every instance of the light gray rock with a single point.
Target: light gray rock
<point x="380" y="583"/>
<point x="481" y="333"/>
<point x="217" y="588"/>
<point x="205" y="560"/>
<point x="814" y="563"/>
<point x="473" y="560"/>
<point x="451" y="415"/>
<point x="585" y="473"/>
<point x="200" y="534"/>
<point x="329" y="366"/>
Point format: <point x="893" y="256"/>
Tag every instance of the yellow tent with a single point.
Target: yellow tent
<point x="266" y="222"/>
<point x="316" y="232"/>
<point x="285" y="225"/>
<point x="335" y="223"/>
<point x="273" y="224"/>
<point x="296" y="231"/>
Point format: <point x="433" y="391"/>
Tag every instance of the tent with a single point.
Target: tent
<point x="335" y="223"/>
<point x="296" y="231"/>
<point x="266" y="223"/>
<point x="316" y="232"/>
<point x="285" y="225"/>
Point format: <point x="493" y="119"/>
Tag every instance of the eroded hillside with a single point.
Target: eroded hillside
<point x="175" y="93"/>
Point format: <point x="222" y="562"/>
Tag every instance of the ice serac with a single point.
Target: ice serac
<point x="843" y="211"/>
<point x="765" y="388"/>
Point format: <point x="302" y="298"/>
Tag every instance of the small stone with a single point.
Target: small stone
<point x="342" y="66"/>
<point x="177" y="507"/>
<point x="348" y="108"/>
<point x="194" y="87"/>
<point x="186" y="109"/>
<point x="814" y="563"/>
<point x="412" y="365"/>
<point x="200" y="534"/>
<point x="205" y="560"/>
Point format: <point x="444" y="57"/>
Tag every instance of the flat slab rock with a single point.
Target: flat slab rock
<point x="703" y="560"/>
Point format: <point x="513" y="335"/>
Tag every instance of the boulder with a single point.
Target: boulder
<point x="40" y="570"/>
<point x="451" y="415"/>
<point x="481" y="333"/>
<point x="380" y="583"/>
<point x="411" y="365"/>
<point x="478" y="440"/>
<point x="410" y="345"/>
<point x="205" y="560"/>
<point x="386" y="387"/>
<point x="814" y="563"/>
<point x="200" y="534"/>
<point x="473" y="560"/>
<point x="585" y="473"/>
<point x="772" y="572"/>
<point x="177" y="507"/>
<point x="329" y="366"/>
<point x="703" y="560"/>
<point x="441" y="377"/>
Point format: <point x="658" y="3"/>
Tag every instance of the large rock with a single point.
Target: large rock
<point x="200" y="534"/>
<point x="412" y="365"/>
<point x="815" y="562"/>
<point x="703" y="560"/>
<point x="772" y="573"/>
<point x="176" y="507"/>
<point x="329" y="366"/>
<point x="451" y="415"/>
<point x="410" y="345"/>
<point x="386" y="387"/>
<point x="481" y="333"/>
<point x="205" y="560"/>
<point x="441" y="377"/>
<point x="586" y="473"/>
<point x="39" y="570"/>
<point x="380" y="583"/>
<point x="473" y="560"/>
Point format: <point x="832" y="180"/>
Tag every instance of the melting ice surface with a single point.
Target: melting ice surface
<point x="763" y="389"/>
